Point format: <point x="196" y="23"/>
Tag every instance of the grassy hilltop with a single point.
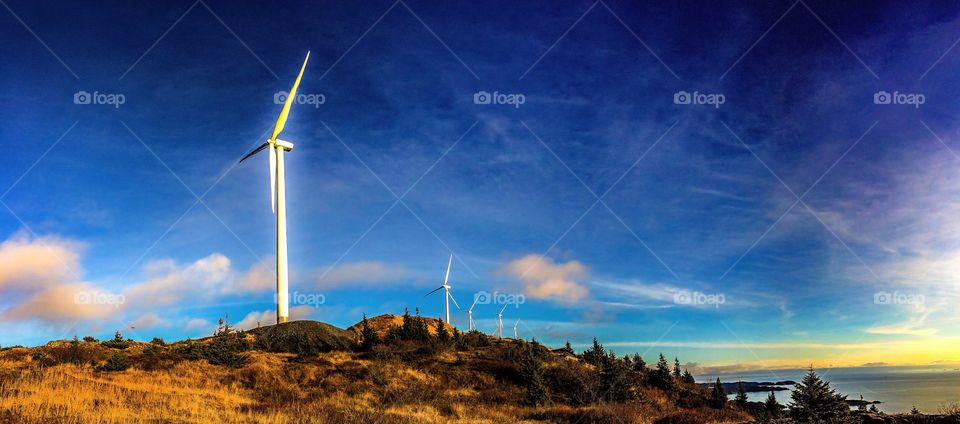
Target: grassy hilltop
<point x="387" y="369"/>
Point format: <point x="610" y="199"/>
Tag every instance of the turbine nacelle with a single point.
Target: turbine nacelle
<point x="288" y="146"/>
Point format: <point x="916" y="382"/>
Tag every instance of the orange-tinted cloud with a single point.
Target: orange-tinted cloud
<point x="542" y="278"/>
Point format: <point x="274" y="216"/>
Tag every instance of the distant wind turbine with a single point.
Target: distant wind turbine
<point x="278" y="198"/>
<point x="447" y="297"/>
<point x="500" y="322"/>
<point x="515" y="328"/>
<point x="470" y="312"/>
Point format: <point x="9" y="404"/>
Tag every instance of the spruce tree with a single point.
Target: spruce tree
<point x="741" y="399"/>
<point x="638" y="364"/>
<point x="443" y="336"/>
<point x="772" y="408"/>
<point x="718" y="397"/>
<point x="595" y="355"/>
<point x="687" y="378"/>
<point x="531" y="372"/>
<point x="661" y="374"/>
<point x="676" y="368"/>
<point x="370" y="338"/>
<point x="813" y="401"/>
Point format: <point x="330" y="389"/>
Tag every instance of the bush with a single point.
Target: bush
<point x="118" y="342"/>
<point x="227" y="347"/>
<point x="158" y="341"/>
<point x="90" y="339"/>
<point x="116" y="362"/>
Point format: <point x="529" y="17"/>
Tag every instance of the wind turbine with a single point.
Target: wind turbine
<point x="278" y="198"/>
<point x="470" y="313"/>
<point x="515" y="328"/>
<point x="447" y="297"/>
<point x="500" y="322"/>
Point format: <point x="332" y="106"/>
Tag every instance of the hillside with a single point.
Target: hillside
<point x="307" y="371"/>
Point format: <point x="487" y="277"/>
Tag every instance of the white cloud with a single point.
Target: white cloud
<point x="542" y="278"/>
<point x="32" y="262"/>
<point x="65" y="303"/>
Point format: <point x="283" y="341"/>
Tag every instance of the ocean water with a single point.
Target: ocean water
<point x="899" y="388"/>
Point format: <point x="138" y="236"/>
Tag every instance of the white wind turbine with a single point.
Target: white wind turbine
<point x="500" y="322"/>
<point x="278" y="199"/>
<point x="470" y="313"/>
<point x="515" y="328"/>
<point x="447" y="297"/>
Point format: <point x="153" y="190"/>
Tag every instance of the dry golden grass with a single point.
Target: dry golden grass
<point x="335" y="387"/>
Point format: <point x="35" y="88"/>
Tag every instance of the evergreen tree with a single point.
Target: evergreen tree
<point x="370" y="338"/>
<point x="531" y="372"/>
<point x="638" y="364"/>
<point x="443" y="336"/>
<point x="614" y="378"/>
<point x="660" y="377"/>
<point x="741" y="399"/>
<point x="687" y="378"/>
<point x="813" y="401"/>
<point x="718" y="397"/>
<point x="676" y="368"/>
<point x="595" y="355"/>
<point x="771" y="407"/>
<point x="567" y="348"/>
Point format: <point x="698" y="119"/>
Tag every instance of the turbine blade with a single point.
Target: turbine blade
<point x="475" y="299"/>
<point x="254" y="151"/>
<point x="282" y="119"/>
<point x="447" y="277"/>
<point x="504" y="308"/>
<point x="454" y="300"/>
<point x="434" y="290"/>
<point x="273" y="179"/>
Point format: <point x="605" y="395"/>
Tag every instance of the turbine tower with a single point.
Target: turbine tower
<point x="278" y="199"/>
<point x="515" y="328"/>
<point x="447" y="297"/>
<point x="500" y="322"/>
<point x="470" y="313"/>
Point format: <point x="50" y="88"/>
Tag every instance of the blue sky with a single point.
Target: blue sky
<point x="695" y="199"/>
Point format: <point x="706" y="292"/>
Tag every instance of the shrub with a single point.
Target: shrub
<point x="90" y="339"/>
<point x="116" y="362"/>
<point x="158" y="341"/>
<point x="227" y="347"/>
<point x="118" y="342"/>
